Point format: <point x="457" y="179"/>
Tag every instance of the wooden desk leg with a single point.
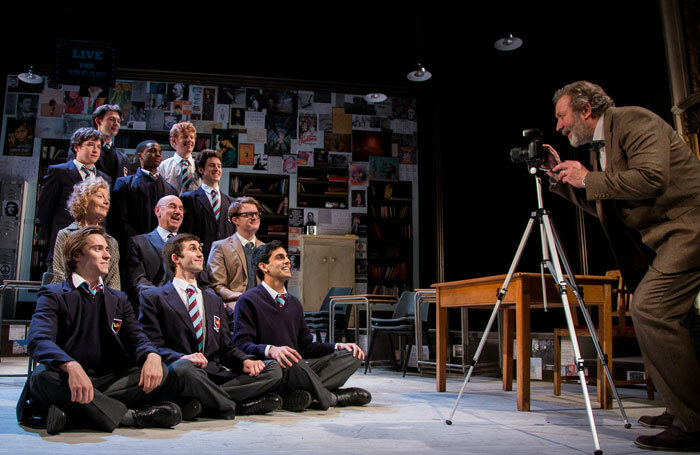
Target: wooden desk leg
<point x="507" y="337"/>
<point x="523" y="346"/>
<point x="441" y="345"/>
<point x="606" y="343"/>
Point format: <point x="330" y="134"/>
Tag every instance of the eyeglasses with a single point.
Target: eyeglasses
<point x="249" y="215"/>
<point x="174" y="207"/>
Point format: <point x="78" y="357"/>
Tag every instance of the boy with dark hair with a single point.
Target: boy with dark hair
<point x="206" y="207"/>
<point x="269" y="323"/>
<point x="190" y="329"/>
<point x="57" y="184"/>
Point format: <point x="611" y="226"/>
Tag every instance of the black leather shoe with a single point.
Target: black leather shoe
<point x="190" y="409"/>
<point x="661" y="421"/>
<point x="297" y="401"/>
<point x="260" y="405"/>
<point x="55" y="420"/>
<point x="352" y="396"/>
<point x="671" y="439"/>
<point x="164" y="415"/>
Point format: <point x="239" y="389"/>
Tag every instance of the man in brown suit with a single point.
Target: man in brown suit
<point x="644" y="187"/>
<point x="229" y="259"/>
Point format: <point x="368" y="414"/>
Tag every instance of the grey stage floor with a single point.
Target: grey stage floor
<point x="406" y="416"/>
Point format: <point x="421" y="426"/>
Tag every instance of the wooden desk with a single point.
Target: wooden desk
<point x="524" y="293"/>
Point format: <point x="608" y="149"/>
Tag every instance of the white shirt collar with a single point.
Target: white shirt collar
<point x="178" y="158"/>
<point x="182" y="284"/>
<point x="78" y="280"/>
<point x="147" y="173"/>
<point x="271" y="291"/>
<point x="207" y="189"/>
<point x="245" y="241"/>
<point x="163" y="233"/>
<point x="80" y="165"/>
<point x="598" y="132"/>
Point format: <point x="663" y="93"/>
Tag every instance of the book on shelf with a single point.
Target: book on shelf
<point x="337" y="178"/>
<point x="388" y="190"/>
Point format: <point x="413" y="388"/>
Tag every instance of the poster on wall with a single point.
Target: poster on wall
<point x="19" y="137"/>
<point x="281" y="129"/>
<point x="226" y="141"/>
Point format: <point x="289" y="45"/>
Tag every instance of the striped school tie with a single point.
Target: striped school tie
<point x="194" y="314"/>
<point x="88" y="172"/>
<point x="185" y="173"/>
<point x="87" y="288"/>
<point x="281" y="299"/>
<point x="216" y="204"/>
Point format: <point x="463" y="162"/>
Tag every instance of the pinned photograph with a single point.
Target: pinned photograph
<point x="137" y="111"/>
<point x="358" y="198"/>
<point x="27" y="106"/>
<point x="231" y="95"/>
<point x="306" y="100"/>
<point x="383" y="168"/>
<point x="227" y="142"/>
<point x="336" y="159"/>
<point x="73" y="103"/>
<point x="19" y="137"/>
<point x="305" y="158"/>
<point x="121" y="95"/>
<point x="51" y="127"/>
<point x="404" y="109"/>
<point x="359" y="173"/>
<point x="237" y="118"/>
<point x="334" y="142"/>
<point x="51" y="103"/>
<point x="157" y="88"/>
<point x="246" y="154"/>
<point x="407" y="154"/>
<point x="308" y="129"/>
<point x="209" y="101"/>
<point x="289" y="165"/>
<point x="253" y="99"/>
<point x="280" y="101"/>
<point x="370" y="143"/>
<point x="178" y="92"/>
<point x="281" y="129"/>
<point x="260" y="163"/>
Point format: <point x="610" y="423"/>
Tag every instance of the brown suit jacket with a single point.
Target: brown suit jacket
<point x="228" y="269"/>
<point x="648" y="197"/>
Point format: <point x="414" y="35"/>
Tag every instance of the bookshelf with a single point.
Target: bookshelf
<point x="272" y="191"/>
<point x="389" y="237"/>
<point x="325" y="187"/>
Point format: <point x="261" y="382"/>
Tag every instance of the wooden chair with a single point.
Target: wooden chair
<point x="621" y="328"/>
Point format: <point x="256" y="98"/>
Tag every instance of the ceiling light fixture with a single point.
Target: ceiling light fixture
<point x="375" y="97"/>
<point x="30" y="78"/>
<point x="419" y="75"/>
<point x="510" y="43"/>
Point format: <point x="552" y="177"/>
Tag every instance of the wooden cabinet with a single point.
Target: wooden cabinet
<point x="326" y="261"/>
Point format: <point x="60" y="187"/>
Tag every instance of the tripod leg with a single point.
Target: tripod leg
<point x="602" y="357"/>
<point x="494" y="314"/>
<point x="553" y="249"/>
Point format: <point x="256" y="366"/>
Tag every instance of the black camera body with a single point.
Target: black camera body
<point x="534" y="154"/>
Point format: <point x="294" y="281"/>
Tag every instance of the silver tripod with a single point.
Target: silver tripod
<point x="553" y="258"/>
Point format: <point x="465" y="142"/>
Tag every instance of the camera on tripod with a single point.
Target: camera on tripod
<point x="534" y="154"/>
